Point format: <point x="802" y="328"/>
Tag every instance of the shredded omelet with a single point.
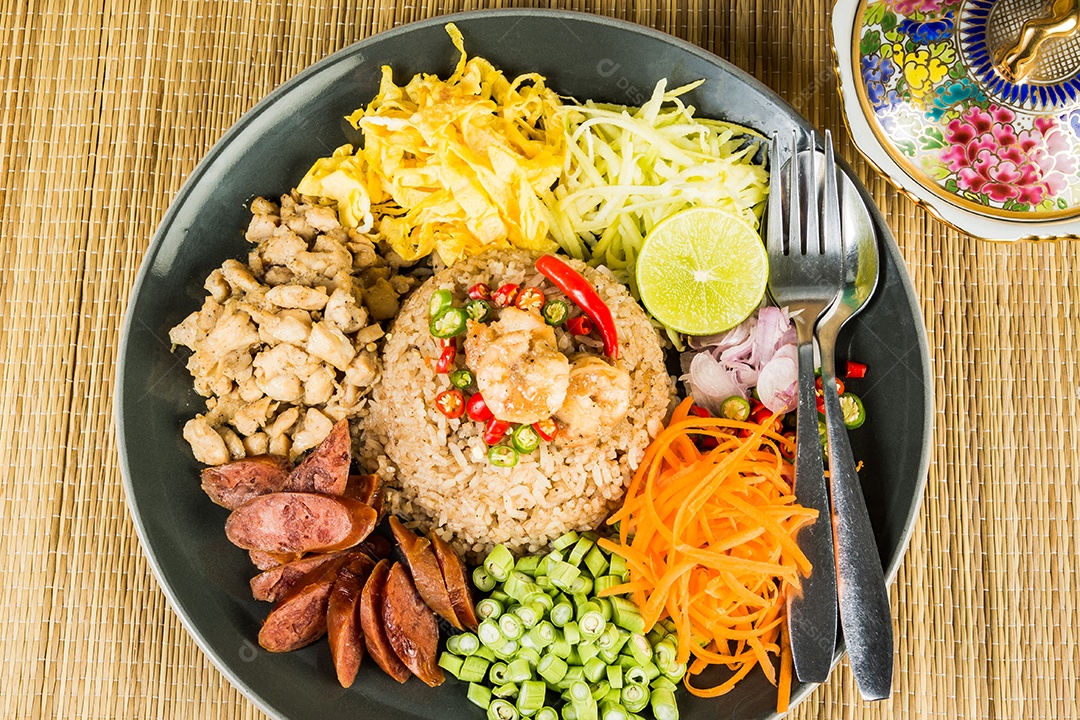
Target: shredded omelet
<point x="456" y="166"/>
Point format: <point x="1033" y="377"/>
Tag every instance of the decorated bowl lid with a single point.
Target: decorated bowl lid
<point x="972" y="107"/>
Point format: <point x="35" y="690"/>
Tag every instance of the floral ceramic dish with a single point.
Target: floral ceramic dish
<point x="972" y="107"/>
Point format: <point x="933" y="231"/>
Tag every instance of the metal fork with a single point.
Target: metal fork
<point x="806" y="275"/>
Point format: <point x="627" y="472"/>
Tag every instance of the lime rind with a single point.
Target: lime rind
<point x="702" y="271"/>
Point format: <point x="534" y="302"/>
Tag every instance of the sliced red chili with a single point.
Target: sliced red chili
<point x="820" y="387"/>
<point x="477" y="409"/>
<point x="699" y="411"/>
<point x="446" y="359"/>
<point x="505" y="295"/>
<point x="760" y="415"/>
<point x="530" y="300"/>
<point x="854" y="369"/>
<point x="450" y="403"/>
<point x="821" y="403"/>
<point x="546" y="429"/>
<point x="581" y="325"/>
<point x="480" y="291"/>
<point x="495" y="431"/>
<point x="707" y="442"/>
<point x="578" y="289"/>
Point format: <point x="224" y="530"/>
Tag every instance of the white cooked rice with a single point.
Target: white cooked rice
<point x="437" y="470"/>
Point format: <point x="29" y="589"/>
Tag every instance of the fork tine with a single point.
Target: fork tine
<point x="832" y="229"/>
<point x="813" y="208"/>
<point x="794" y="228"/>
<point x="774" y="240"/>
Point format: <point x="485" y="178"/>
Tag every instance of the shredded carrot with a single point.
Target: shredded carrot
<point x="709" y="540"/>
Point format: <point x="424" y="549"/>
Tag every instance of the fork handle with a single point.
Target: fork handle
<point x="812" y="613"/>
<point x="865" y="614"/>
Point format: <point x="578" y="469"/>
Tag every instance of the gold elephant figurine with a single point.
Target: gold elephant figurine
<point x="1018" y="61"/>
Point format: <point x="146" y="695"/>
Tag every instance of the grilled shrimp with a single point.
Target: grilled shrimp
<point x="519" y="369"/>
<point x="597" y="399"/>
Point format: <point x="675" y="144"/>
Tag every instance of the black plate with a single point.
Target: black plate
<point x="266" y="153"/>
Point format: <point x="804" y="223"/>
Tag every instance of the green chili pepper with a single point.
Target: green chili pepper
<point x="525" y="439"/>
<point x="449" y="323"/>
<point x="735" y="407"/>
<point x="854" y="412"/>
<point x="554" y="312"/>
<point x="479" y="310"/>
<point x="440" y="300"/>
<point x="503" y="456"/>
<point x="462" y="378"/>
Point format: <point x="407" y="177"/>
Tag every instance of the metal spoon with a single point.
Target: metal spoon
<point x="865" y="615"/>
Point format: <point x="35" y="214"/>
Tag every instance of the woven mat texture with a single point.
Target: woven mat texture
<point x="107" y="106"/>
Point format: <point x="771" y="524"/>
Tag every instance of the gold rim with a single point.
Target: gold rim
<point x="916" y="173"/>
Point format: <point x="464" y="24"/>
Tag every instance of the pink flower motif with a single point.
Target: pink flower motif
<point x="927" y="7"/>
<point x="989" y="158"/>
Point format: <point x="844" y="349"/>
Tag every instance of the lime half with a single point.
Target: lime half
<point x="702" y="271"/>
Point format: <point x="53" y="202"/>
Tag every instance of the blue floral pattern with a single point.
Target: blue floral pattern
<point x="1072" y="120"/>
<point x="928" y="31"/>
<point x="876" y="72"/>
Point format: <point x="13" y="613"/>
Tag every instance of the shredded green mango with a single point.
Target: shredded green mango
<point x="629" y="168"/>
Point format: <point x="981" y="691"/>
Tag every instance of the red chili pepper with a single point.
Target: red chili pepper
<point x="446" y="359"/>
<point x="504" y="296"/>
<point x="707" y="442"/>
<point x="578" y="289"/>
<point x="854" y="370"/>
<point x="580" y="325"/>
<point x="755" y="405"/>
<point x="451" y="403"/>
<point x="477" y="409"/>
<point x="546" y="429"/>
<point x="480" y="291"/>
<point x="820" y="388"/>
<point x="495" y="431"/>
<point x="821" y="403"/>
<point x="530" y="299"/>
<point x="760" y="415"/>
<point x="699" y="411"/>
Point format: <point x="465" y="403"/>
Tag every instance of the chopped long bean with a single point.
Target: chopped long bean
<point x="451" y="663"/>
<point x="479" y="695"/>
<point x="531" y="697"/>
<point x="663" y="704"/>
<point x="518" y="671"/>
<point x="482" y="579"/>
<point x="473" y="670"/>
<point x="635" y="697"/>
<point x="545" y="631"/>
<point x="489" y="608"/>
<point x="499" y="563"/>
<point x="501" y="710"/>
<point x="489" y="633"/>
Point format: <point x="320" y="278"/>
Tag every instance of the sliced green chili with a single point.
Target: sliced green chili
<point x="448" y="323"/>
<point x="735" y="407"/>
<point x="462" y="378"/>
<point x="502" y="456"/>
<point x="440" y="300"/>
<point x="555" y="312"/>
<point x="479" y="310"/>
<point x="854" y="411"/>
<point x="525" y="439"/>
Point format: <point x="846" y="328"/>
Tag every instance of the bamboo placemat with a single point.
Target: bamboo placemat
<point x="107" y="106"/>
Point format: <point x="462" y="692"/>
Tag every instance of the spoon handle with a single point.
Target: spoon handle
<point x="865" y="615"/>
